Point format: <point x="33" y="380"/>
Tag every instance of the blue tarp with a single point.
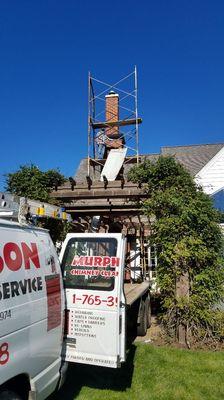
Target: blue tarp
<point x="218" y="199"/>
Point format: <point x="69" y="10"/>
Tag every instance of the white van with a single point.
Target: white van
<point x="31" y="313"/>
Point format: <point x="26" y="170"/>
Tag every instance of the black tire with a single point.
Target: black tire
<point x="148" y="311"/>
<point x="6" y="394"/>
<point x="142" y="326"/>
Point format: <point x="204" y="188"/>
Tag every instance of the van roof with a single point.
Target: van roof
<point x="12" y="224"/>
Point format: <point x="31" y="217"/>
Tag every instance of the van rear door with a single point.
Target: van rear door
<point x="93" y="269"/>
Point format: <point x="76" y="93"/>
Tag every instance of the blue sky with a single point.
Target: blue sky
<point x="47" y="48"/>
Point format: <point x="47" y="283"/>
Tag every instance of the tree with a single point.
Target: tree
<point x="184" y="227"/>
<point x="29" y="181"/>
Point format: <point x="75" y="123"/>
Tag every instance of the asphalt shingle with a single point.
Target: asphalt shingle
<point x="193" y="157"/>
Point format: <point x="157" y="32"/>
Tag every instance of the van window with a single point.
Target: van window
<point x="89" y="263"/>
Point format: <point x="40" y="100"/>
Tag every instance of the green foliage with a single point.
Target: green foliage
<point x="185" y="229"/>
<point x="58" y="229"/>
<point x="221" y="217"/>
<point x="29" y="181"/>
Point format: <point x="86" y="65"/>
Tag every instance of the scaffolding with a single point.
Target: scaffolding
<point x="112" y="129"/>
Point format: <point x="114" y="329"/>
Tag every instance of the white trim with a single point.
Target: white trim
<point x="218" y="190"/>
<point x="210" y="163"/>
<point x="112" y="95"/>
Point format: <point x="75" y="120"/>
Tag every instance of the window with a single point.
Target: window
<point x="90" y="263"/>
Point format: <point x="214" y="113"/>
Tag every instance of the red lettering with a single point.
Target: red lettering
<point x="30" y="254"/>
<point x="88" y="261"/>
<point x="13" y="256"/>
<point x="115" y="261"/>
<point x="13" y="263"/>
<point x="97" y="261"/>
<point x="77" y="261"/>
<point x="4" y="354"/>
<point x="1" y="264"/>
<point x="106" y="261"/>
<point x="74" y="272"/>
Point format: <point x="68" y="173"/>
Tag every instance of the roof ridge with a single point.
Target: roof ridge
<point x="193" y="145"/>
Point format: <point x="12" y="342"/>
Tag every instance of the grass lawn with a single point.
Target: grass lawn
<point x="152" y="373"/>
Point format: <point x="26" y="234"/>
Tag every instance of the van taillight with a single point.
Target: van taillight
<point x="66" y="325"/>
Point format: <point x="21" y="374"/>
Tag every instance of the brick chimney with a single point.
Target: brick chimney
<point x="112" y="115"/>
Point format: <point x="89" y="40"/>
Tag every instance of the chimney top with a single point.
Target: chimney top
<point x="112" y="93"/>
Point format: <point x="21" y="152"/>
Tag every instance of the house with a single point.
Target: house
<point x="206" y="163"/>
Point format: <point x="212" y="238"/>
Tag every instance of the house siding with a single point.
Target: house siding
<point x="211" y="176"/>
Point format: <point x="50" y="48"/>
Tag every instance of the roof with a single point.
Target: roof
<point x="82" y="170"/>
<point x="192" y="157"/>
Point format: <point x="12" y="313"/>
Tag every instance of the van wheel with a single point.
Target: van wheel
<point x="142" y="326"/>
<point x="148" y="312"/>
<point x="9" y="395"/>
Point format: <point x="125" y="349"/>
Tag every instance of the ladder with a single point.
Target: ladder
<point x="25" y="210"/>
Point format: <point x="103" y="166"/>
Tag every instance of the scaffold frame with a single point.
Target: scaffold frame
<point x="128" y="123"/>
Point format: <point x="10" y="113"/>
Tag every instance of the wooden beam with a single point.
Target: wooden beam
<point x="99" y="210"/>
<point x="130" y="121"/>
<point x="97" y="185"/>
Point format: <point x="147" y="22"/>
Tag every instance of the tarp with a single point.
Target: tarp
<point x="113" y="163"/>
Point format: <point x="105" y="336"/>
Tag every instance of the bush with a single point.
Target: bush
<point x="184" y="226"/>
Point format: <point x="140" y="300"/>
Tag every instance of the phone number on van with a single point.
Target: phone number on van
<point x="5" y="314"/>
